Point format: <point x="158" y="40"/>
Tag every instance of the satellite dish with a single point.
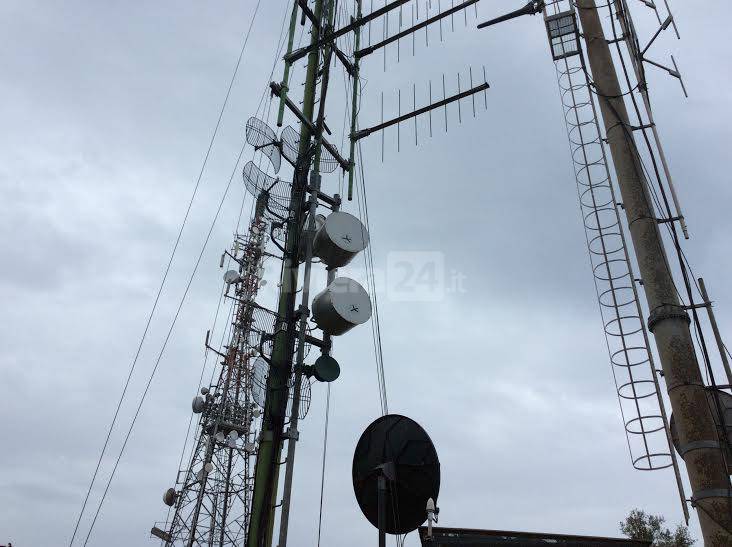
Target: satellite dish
<point x="290" y="139"/>
<point x="341" y="306"/>
<point x="326" y="369"/>
<point x="398" y="449"/>
<point x="208" y="467"/>
<point x="257" y="181"/>
<point x="262" y="137"/>
<point x="232" y="276"/>
<point x="220" y="436"/>
<point x="169" y="497"/>
<point x="260" y="372"/>
<point x="305" y="397"/>
<point x="204" y="391"/>
<point x="198" y="405"/>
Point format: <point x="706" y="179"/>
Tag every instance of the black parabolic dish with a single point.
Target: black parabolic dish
<point x="402" y="441"/>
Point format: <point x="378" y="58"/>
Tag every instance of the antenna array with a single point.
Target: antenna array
<point x="263" y="367"/>
<point x="211" y="500"/>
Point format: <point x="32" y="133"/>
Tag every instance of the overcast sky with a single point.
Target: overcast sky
<point x="107" y="110"/>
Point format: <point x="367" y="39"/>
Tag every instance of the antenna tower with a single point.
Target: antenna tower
<point x="230" y="492"/>
<point x="590" y="82"/>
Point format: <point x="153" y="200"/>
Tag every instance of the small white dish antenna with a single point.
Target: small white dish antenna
<point x="232" y="276"/>
<point x="169" y="497"/>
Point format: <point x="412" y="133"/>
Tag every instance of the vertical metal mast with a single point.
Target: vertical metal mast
<point x="668" y="321"/>
<point x="304" y="312"/>
<point x="271" y="437"/>
<point x="283" y="336"/>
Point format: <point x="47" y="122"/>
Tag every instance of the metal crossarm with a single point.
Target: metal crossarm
<point x="303" y="51"/>
<point x="277" y="91"/>
<point x="369" y="50"/>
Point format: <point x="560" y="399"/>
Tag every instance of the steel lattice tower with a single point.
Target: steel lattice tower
<point x="212" y="503"/>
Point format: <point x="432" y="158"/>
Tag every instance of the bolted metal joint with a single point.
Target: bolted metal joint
<point x="667" y="311"/>
<point x="302" y="311"/>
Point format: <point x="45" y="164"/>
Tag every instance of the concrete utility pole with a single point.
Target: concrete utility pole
<point x="668" y="321"/>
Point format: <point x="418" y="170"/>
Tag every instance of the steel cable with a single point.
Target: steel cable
<point x="165" y="277"/>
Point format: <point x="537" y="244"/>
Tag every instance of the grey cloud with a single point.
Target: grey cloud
<point x="107" y="111"/>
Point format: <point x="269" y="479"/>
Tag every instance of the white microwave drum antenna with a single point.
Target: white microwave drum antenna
<point x="339" y="239"/>
<point x="232" y="276"/>
<point x="341" y="306"/>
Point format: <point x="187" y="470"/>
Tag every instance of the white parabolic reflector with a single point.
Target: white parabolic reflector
<point x="341" y="306"/>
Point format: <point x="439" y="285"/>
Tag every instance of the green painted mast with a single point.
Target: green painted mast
<point x="264" y="499"/>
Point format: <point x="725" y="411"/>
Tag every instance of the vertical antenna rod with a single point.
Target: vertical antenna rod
<point x="288" y="64"/>
<point x="668" y="321"/>
<point x="354" y="102"/>
<point x="304" y="311"/>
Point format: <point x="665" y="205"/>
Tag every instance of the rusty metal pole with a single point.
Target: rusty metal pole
<point x="668" y="321"/>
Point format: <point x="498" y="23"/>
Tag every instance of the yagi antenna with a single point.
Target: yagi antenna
<point x="431" y="105"/>
<point x="414" y="28"/>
